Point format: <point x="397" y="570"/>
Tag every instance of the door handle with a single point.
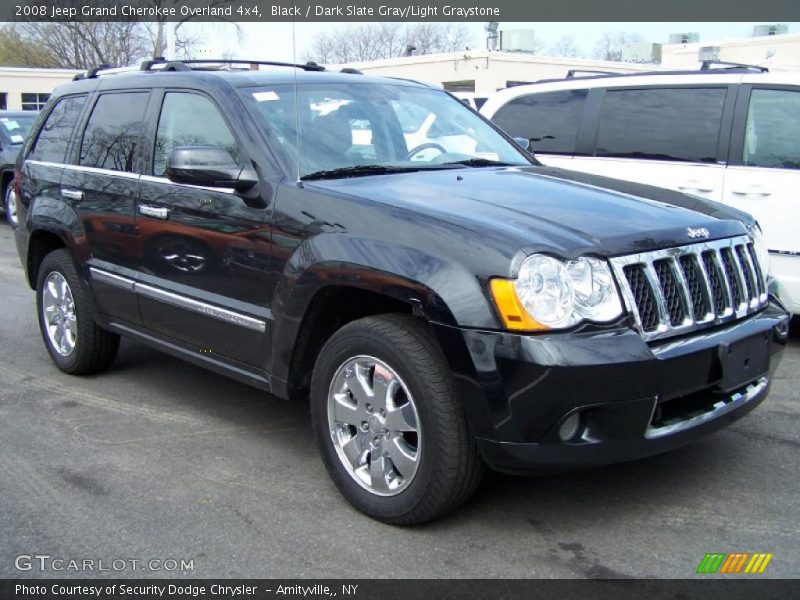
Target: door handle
<point x="157" y="212"/>
<point x="691" y="187"/>
<point x="751" y="192"/>
<point x="71" y="194"/>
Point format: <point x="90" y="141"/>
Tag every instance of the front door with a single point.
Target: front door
<point x="204" y="276"/>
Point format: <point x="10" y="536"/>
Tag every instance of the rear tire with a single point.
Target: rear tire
<point x="10" y="204"/>
<point x="404" y="456"/>
<point x="76" y="344"/>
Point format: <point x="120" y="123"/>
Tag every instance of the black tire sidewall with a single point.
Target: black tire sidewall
<point x="56" y="262"/>
<point x="7" y="208"/>
<point x="341" y="347"/>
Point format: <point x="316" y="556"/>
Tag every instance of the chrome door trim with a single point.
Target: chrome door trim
<point x="84" y="169"/>
<point x="208" y="310"/>
<point x="203" y="308"/>
<point x="112" y="279"/>
<point x="164" y="180"/>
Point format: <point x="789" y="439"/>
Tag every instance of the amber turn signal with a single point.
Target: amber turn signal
<point x="514" y="315"/>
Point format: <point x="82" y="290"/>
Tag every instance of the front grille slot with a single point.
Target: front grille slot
<point x="697" y="286"/>
<point x="719" y="290"/>
<point x="673" y="294"/>
<point x="683" y="289"/>
<point x="644" y="297"/>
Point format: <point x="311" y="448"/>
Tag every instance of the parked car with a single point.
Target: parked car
<point x="726" y="132"/>
<point x="471" y="99"/>
<point x="14" y="128"/>
<point x="441" y="314"/>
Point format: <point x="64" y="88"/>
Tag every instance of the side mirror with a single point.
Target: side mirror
<point x="208" y="166"/>
<point x="523" y="143"/>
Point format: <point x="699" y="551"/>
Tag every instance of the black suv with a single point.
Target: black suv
<point x="444" y="300"/>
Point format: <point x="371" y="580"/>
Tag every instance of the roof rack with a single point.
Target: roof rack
<point x="571" y="73"/>
<point x="186" y="65"/>
<point x="729" y="66"/>
<point x="705" y="69"/>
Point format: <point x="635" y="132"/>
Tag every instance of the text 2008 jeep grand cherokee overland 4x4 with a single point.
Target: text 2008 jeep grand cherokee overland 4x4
<point x="445" y="306"/>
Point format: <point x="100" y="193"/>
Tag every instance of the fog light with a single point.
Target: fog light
<point x="569" y="428"/>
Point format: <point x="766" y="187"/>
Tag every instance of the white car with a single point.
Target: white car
<point x="729" y="133"/>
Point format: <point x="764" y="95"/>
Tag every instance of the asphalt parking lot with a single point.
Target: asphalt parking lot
<point x="158" y="459"/>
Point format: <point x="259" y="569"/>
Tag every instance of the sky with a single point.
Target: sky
<point x="273" y="41"/>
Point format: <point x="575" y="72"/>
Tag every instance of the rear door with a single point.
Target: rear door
<point x="205" y="277"/>
<point x="44" y="163"/>
<point x="100" y="182"/>
<point x="673" y="137"/>
<point x="763" y="176"/>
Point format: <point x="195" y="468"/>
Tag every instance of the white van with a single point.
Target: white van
<point x="730" y="133"/>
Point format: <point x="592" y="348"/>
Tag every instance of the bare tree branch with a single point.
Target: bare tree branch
<point x="374" y="41"/>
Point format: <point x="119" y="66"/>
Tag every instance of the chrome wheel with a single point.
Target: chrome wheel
<point x="11" y="205"/>
<point x="374" y="425"/>
<point x="58" y="314"/>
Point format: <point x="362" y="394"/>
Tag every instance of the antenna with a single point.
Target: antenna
<point x="296" y="98"/>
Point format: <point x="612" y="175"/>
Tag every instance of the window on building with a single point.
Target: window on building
<point x="676" y="124"/>
<point x="549" y="121"/>
<point x="459" y="86"/>
<point x="51" y="145"/>
<point x="113" y="131"/>
<point x="34" y="101"/>
<point x="3" y="101"/>
<point x="772" y="136"/>
<point x="190" y="120"/>
<point x="512" y="83"/>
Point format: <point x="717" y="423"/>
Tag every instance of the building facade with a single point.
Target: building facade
<point x="485" y="72"/>
<point x="29" y="89"/>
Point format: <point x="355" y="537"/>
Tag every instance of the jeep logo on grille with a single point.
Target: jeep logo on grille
<point x="700" y="232"/>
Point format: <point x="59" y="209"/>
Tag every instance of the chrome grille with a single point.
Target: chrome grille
<point x="678" y="290"/>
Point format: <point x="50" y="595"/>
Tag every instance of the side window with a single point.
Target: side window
<point x="113" y="131"/>
<point x="772" y="136"/>
<point x="190" y="120"/>
<point x="51" y="145"/>
<point x="679" y="124"/>
<point x="549" y="120"/>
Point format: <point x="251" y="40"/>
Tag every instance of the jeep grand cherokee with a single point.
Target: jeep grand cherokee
<point x="445" y="304"/>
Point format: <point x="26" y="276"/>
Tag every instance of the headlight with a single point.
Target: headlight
<point x="551" y="294"/>
<point x="762" y="252"/>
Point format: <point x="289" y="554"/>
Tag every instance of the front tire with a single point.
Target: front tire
<point x="391" y="431"/>
<point x="10" y="204"/>
<point x="76" y="344"/>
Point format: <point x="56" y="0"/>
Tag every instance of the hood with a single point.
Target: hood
<point x="547" y="209"/>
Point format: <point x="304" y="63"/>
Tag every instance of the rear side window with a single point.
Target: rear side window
<point x="679" y="124"/>
<point x="113" y="131"/>
<point x="772" y="137"/>
<point x="190" y="120"/>
<point x="549" y="121"/>
<point x="51" y="144"/>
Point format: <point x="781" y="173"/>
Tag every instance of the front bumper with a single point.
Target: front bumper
<point x="630" y="399"/>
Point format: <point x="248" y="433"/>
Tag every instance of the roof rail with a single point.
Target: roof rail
<point x="185" y="65"/>
<point x="706" y="66"/>
<point x="99" y="70"/>
<point x="571" y="73"/>
<point x="351" y="71"/>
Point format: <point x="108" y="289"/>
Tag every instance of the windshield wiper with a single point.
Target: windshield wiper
<point x="360" y="170"/>
<point x="483" y="162"/>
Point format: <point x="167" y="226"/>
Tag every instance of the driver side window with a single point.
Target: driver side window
<point x="190" y="120"/>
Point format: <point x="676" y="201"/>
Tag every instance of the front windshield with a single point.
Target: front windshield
<point x="15" y="129"/>
<point x="366" y="126"/>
